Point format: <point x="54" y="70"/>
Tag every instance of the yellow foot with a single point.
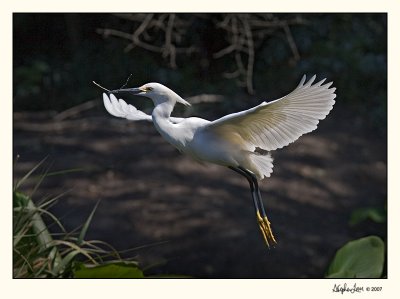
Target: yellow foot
<point x="266" y="230"/>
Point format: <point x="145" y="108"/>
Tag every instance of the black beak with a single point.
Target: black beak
<point x="130" y="90"/>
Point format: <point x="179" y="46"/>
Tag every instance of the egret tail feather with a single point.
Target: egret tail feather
<point x="263" y="164"/>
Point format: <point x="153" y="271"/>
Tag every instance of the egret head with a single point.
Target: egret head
<point x="157" y="92"/>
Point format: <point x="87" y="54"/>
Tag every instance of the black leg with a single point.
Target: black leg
<point x="257" y="190"/>
<point x="262" y="219"/>
<point x="251" y="183"/>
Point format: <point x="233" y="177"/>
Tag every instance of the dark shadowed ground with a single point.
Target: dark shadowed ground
<point x="151" y="193"/>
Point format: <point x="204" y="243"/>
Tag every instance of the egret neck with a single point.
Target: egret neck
<point x="161" y="119"/>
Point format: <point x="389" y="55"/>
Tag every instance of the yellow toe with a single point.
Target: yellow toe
<point x="265" y="227"/>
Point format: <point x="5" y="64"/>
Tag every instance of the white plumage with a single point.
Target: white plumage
<point x="277" y="123"/>
<point x="233" y="140"/>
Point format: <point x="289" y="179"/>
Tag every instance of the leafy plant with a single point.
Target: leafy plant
<point x="39" y="253"/>
<point x="361" y="258"/>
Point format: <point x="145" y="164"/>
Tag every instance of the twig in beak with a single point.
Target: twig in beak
<point x="126" y="82"/>
<point x="97" y="84"/>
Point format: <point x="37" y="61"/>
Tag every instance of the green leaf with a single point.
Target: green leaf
<point x="361" y="258"/>
<point x="377" y="215"/>
<point x="115" y="270"/>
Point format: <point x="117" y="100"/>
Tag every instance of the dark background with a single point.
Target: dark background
<point x="203" y="215"/>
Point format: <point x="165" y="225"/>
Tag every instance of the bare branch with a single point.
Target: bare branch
<point x="149" y="27"/>
<point x="291" y="42"/>
<point x="164" y="33"/>
<point x="242" y="32"/>
<point x="232" y="75"/>
<point x="225" y="51"/>
<point x="250" y="60"/>
<point x="169" y="48"/>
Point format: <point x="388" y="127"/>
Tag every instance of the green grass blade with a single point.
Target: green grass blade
<point x="65" y="262"/>
<point x="21" y="181"/>
<point x="38" y="225"/>
<point x="60" y="172"/>
<point x="40" y="180"/>
<point x="53" y="217"/>
<point x="77" y="248"/>
<point x="112" y="251"/>
<point x="86" y="225"/>
<point x="49" y="202"/>
<point x="22" y="233"/>
<point x="26" y="261"/>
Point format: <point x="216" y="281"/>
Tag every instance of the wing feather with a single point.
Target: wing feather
<point x="120" y="108"/>
<point x="275" y="124"/>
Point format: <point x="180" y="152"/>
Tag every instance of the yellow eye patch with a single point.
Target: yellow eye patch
<point x="147" y="88"/>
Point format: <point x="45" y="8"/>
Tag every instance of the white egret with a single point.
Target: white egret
<point x="235" y="139"/>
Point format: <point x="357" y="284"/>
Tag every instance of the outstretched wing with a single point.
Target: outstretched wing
<point x="277" y="123"/>
<point x="120" y="108"/>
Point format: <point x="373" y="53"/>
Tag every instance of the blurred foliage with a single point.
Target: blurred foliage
<point x="375" y="214"/>
<point x="114" y="270"/>
<point x="56" y="56"/>
<point x="361" y="258"/>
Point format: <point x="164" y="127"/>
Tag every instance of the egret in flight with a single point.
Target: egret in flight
<point x="235" y="140"/>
